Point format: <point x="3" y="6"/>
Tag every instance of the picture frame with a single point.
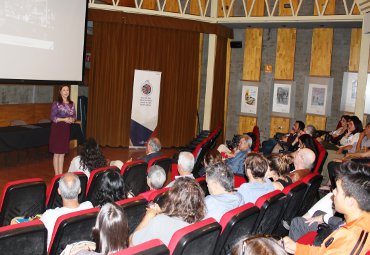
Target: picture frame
<point x="281" y="101"/>
<point x="249" y="99"/>
<point x="317" y="98"/>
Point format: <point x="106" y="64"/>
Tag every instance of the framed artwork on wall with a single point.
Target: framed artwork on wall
<point x="316" y="100"/>
<point x="349" y="93"/>
<point x="281" y="98"/>
<point x="249" y="99"/>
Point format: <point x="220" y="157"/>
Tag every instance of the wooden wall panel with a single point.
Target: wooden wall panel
<point x="319" y="122"/>
<point x="285" y="53"/>
<point x="149" y="4"/>
<point x="252" y="54"/>
<point x="194" y="7"/>
<point x="220" y="11"/>
<point x="330" y="8"/>
<point x="258" y="8"/>
<point x="30" y="113"/>
<point x="172" y="6"/>
<point x="354" y="54"/>
<point x="287" y="11"/>
<point x="246" y="124"/>
<point x="279" y="125"/>
<point x="321" y="51"/>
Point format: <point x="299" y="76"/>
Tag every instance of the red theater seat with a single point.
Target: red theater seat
<point x="321" y="158"/>
<point x="24" y="238"/>
<point x="198" y="238"/>
<point x="134" y="176"/>
<point x="308" y="238"/>
<point x="313" y="182"/>
<point x="22" y="198"/>
<point x="152" y="247"/>
<point x="236" y="223"/>
<point x="135" y="209"/>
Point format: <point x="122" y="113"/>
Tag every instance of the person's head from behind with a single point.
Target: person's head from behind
<point x="306" y="141"/>
<point x="310" y="130"/>
<point x="212" y="157"/>
<point x="185" y="163"/>
<point x="91" y="156"/>
<point x="69" y="187"/>
<point x="153" y="145"/>
<point x="111" y="229"/>
<point x="185" y="201"/>
<point x="156" y="177"/>
<point x="112" y="187"/>
<point x="304" y="159"/>
<point x="298" y="126"/>
<point x="258" y="245"/>
<point x="256" y="166"/>
<point x="220" y="179"/>
<point x="355" y="125"/>
<point x="353" y="188"/>
<point x="245" y="143"/>
<point x="280" y="164"/>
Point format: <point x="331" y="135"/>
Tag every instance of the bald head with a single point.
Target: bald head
<point x="69" y="186"/>
<point x="304" y="159"/>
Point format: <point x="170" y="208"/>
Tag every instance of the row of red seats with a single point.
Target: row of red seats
<point x="262" y="217"/>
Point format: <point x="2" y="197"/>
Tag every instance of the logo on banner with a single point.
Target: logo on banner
<point x="146" y="88"/>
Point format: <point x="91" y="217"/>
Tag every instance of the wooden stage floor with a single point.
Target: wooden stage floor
<point x="38" y="163"/>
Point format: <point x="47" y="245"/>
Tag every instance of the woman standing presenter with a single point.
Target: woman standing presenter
<point x="62" y="115"/>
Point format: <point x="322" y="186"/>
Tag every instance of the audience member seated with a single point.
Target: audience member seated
<point x="89" y="158"/>
<point x="112" y="188"/>
<point x="335" y="135"/>
<point x="210" y="158"/>
<point x="256" y="167"/>
<point x="69" y="188"/>
<point x="185" y="165"/>
<point x="272" y="145"/>
<point x="152" y="150"/>
<point x="321" y="212"/>
<point x="258" y="245"/>
<point x="236" y="159"/>
<point x="279" y="169"/>
<point x="310" y="130"/>
<point x="303" y="164"/>
<point x="352" y="199"/>
<point x="306" y="141"/>
<point x="183" y="206"/>
<point x="110" y="232"/>
<point x="155" y="179"/>
<point x="222" y="198"/>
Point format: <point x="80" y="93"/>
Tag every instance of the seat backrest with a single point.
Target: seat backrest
<point x="203" y="184"/>
<point x="256" y="131"/>
<point x="164" y="162"/>
<point x="239" y="180"/>
<point x="321" y="158"/>
<point x="198" y="165"/>
<point x="134" y="176"/>
<point x="22" y="198"/>
<point x="94" y="184"/>
<point x="152" y="247"/>
<point x="271" y="207"/>
<point x="24" y="238"/>
<point x="135" y="209"/>
<point x="313" y="182"/>
<point x="236" y="223"/>
<point x="198" y="238"/>
<point x="54" y="200"/>
<point x="294" y="198"/>
<point x="72" y="227"/>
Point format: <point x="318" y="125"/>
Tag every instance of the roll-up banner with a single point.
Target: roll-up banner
<point x="145" y="103"/>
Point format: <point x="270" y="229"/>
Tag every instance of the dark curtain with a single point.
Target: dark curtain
<point x="218" y="97"/>
<point x="117" y="50"/>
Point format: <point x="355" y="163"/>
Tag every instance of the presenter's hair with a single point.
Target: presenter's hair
<point x="60" y="99"/>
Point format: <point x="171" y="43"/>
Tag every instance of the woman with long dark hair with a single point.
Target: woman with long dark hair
<point x="112" y="188"/>
<point x="89" y="158"/>
<point x="62" y="115"/>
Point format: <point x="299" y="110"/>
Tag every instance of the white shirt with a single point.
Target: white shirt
<point x="50" y="216"/>
<point x="76" y="166"/>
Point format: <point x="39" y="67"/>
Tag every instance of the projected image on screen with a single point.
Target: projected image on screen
<point x="42" y="39"/>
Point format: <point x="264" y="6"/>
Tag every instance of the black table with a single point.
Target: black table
<point x="30" y="136"/>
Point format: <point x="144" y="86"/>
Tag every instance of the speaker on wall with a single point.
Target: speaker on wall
<point x="236" y="44"/>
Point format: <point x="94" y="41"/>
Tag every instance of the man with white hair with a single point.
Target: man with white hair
<point x="236" y="160"/>
<point x="185" y="166"/>
<point x="69" y="188"/>
<point x="155" y="180"/>
<point x="304" y="159"/>
<point x="152" y="149"/>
